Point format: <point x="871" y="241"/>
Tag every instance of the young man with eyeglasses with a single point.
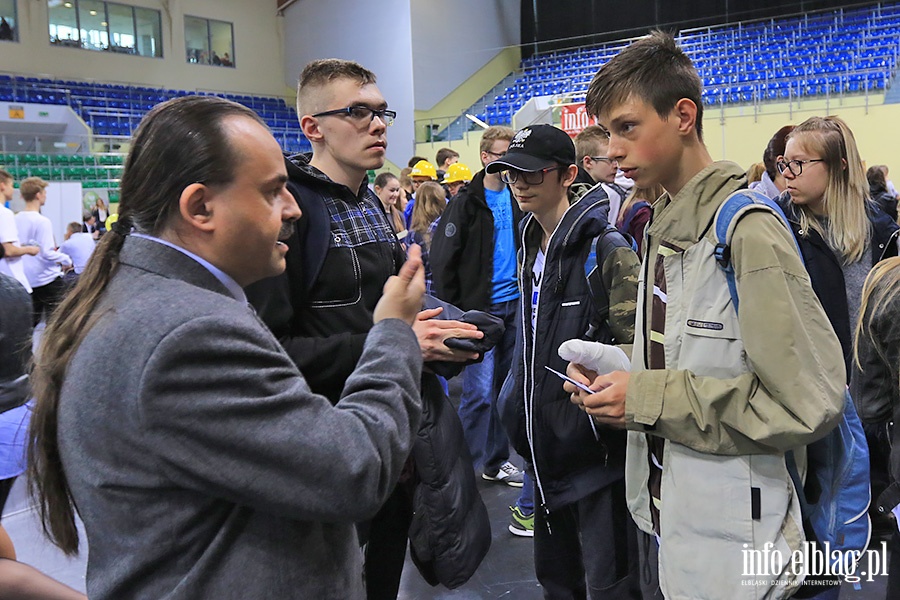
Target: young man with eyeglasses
<point x="598" y="170"/>
<point x="341" y="253"/>
<point x="473" y="261"/>
<point x="584" y="540"/>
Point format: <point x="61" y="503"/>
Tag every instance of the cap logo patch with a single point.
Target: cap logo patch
<point x="519" y="139"/>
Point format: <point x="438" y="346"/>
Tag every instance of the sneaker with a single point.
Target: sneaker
<point x="519" y="524"/>
<point x="507" y="473"/>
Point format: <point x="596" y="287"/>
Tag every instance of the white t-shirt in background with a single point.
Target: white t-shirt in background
<point x="35" y="228"/>
<point x="10" y="233"/>
<point x="79" y="247"/>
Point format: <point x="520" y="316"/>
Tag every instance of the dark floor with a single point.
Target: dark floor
<point x="507" y="570"/>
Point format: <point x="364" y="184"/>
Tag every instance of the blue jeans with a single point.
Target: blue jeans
<point x="485" y="436"/>
<point x="526" y="498"/>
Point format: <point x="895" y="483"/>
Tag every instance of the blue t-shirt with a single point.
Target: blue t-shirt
<point x="504" y="286"/>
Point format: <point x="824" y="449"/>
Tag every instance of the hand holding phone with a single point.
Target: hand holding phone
<point x="577" y="384"/>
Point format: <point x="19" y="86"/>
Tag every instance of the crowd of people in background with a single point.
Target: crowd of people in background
<point x="575" y="286"/>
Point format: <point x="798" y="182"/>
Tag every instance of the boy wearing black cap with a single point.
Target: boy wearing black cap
<point x="582" y="527"/>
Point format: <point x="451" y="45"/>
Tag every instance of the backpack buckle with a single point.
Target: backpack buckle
<point x="723" y="255"/>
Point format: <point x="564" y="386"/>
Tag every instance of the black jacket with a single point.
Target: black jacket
<point x="826" y="274"/>
<point x="877" y="395"/>
<point x="15" y="343"/>
<point x="572" y="456"/>
<point x="885" y="200"/>
<point x="462" y="249"/>
<point x="321" y="310"/>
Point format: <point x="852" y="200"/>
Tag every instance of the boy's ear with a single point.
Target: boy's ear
<point x="569" y="175"/>
<point x="686" y="112"/>
<point x="310" y="128"/>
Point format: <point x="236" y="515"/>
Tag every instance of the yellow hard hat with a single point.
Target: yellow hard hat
<point x="457" y="172"/>
<point x="423" y="168"/>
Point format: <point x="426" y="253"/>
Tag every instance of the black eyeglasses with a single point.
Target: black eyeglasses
<point x="605" y="159"/>
<point x="362" y="114"/>
<point x="497" y="154"/>
<point x="795" y="166"/>
<point x="529" y="177"/>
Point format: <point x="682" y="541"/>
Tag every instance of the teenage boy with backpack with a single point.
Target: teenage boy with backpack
<point x="715" y="397"/>
<point x="578" y="279"/>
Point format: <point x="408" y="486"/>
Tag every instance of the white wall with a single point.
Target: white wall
<point x="374" y="34"/>
<point x="452" y="40"/>
<point x="258" y="49"/>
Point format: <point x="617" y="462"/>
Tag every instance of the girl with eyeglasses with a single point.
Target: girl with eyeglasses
<point x="842" y="235"/>
<point x="841" y="232"/>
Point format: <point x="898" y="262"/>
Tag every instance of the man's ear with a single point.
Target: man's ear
<point x="686" y="112"/>
<point x="569" y="175"/>
<point x="310" y="127"/>
<point x="196" y="207"/>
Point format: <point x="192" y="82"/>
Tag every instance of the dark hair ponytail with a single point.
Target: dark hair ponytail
<point x="178" y="143"/>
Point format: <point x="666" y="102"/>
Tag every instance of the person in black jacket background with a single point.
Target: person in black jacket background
<point x="879" y="191"/>
<point x="473" y="264"/>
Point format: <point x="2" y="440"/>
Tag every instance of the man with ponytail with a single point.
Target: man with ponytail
<point x="203" y="466"/>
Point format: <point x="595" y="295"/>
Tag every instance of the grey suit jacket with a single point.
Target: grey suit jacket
<point x="203" y="466"/>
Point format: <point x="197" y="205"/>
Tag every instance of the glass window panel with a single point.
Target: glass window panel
<point x="121" y="28"/>
<point x="196" y="39"/>
<point x="149" y="32"/>
<point x="92" y="24"/>
<point x="8" y="30"/>
<point x="221" y="38"/>
<point x="63" y="23"/>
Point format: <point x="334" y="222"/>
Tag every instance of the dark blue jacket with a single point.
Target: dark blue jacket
<point x="572" y="456"/>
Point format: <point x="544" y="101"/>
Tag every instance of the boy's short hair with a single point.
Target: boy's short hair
<point x="31" y="187"/>
<point x="492" y="134"/>
<point x="443" y="154"/>
<point x="5" y="175"/>
<point x="589" y="141"/>
<point x="654" y="70"/>
<point x="320" y="72"/>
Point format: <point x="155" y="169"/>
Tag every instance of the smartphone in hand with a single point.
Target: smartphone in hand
<point x="577" y="384"/>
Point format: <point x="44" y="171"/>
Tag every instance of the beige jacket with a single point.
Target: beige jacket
<point x="737" y="392"/>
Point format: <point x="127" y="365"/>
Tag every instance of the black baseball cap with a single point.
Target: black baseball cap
<point x="534" y="148"/>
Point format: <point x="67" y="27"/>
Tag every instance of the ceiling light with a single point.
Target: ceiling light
<point x="93" y="13"/>
<point x="103" y="23"/>
<point x="68" y="5"/>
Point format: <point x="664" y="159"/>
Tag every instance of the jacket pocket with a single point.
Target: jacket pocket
<point x="339" y="282"/>
<point x="711" y="346"/>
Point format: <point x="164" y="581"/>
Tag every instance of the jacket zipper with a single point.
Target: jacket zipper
<point x="529" y="365"/>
